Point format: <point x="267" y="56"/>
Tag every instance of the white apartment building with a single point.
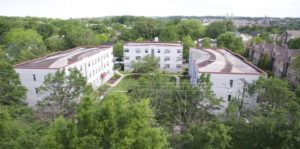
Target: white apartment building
<point x="169" y="54"/>
<point x="229" y="72"/>
<point x="95" y="63"/>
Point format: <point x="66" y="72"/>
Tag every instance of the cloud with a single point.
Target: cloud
<point x="98" y="8"/>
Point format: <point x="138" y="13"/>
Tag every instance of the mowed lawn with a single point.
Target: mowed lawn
<point x="126" y="83"/>
<point x="131" y="81"/>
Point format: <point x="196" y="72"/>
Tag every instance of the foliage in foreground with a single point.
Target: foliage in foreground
<point x="114" y="123"/>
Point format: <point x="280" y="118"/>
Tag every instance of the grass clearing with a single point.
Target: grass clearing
<point x="126" y="83"/>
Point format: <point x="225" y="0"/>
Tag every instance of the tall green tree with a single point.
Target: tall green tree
<point x="118" y="123"/>
<point x="45" y="30"/>
<point x="23" y="44"/>
<point x="118" y="50"/>
<point x="215" y="29"/>
<point x="208" y="136"/>
<point x="55" y="43"/>
<point x="169" y="34"/>
<point x="264" y="63"/>
<point x="62" y="92"/>
<point x="294" y="43"/>
<point x="147" y="64"/>
<point x="147" y="28"/>
<point x="274" y="94"/>
<point x="231" y="42"/>
<point x="181" y="105"/>
<point x="76" y="35"/>
<point x="60" y="135"/>
<point x="192" y="28"/>
<point x="187" y="44"/>
<point x="10" y="132"/>
<point x="12" y="92"/>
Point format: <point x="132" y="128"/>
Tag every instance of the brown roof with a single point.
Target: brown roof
<point x="61" y="59"/>
<point x="222" y="61"/>
<point x="294" y="33"/>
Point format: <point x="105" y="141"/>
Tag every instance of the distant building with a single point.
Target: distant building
<point x="212" y="42"/>
<point x="169" y="54"/>
<point x="95" y="63"/>
<point x="287" y="36"/>
<point x="245" y="37"/>
<point x="229" y="73"/>
<point x="280" y="59"/>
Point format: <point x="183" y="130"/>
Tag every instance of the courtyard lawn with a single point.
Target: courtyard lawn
<point x="126" y="83"/>
<point x="130" y="81"/>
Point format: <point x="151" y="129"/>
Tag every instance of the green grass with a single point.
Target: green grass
<point x="124" y="72"/>
<point x="131" y="80"/>
<point x="125" y="83"/>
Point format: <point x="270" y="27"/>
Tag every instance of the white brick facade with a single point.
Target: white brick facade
<point x="169" y="54"/>
<point x="95" y="63"/>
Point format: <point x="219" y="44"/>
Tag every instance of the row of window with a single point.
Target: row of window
<point x="96" y="70"/>
<point x="93" y="62"/>
<point x="167" y="58"/>
<point x="168" y="66"/>
<point x="90" y="74"/>
<point x="158" y="50"/>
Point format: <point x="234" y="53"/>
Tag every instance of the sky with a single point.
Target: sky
<point x="66" y="9"/>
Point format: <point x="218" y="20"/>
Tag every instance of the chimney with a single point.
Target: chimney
<point x="156" y="39"/>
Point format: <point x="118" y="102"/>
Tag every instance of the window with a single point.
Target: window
<point x="137" y="50"/>
<point x="231" y="83"/>
<point x="178" y="50"/>
<point x="126" y="50"/>
<point x="146" y="50"/>
<point x="229" y="98"/>
<point x="167" y="66"/>
<point x="89" y="64"/>
<point x="167" y="58"/>
<point x="137" y="57"/>
<point x="36" y="90"/>
<point x="158" y="50"/>
<point x="167" y="51"/>
<point x="178" y="59"/>
<point x="126" y="57"/>
<point x="34" y="78"/>
<point x="178" y="66"/>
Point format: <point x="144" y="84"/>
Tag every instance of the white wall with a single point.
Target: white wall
<point x="91" y="67"/>
<point x="175" y="57"/>
<point x="221" y="85"/>
<point x="27" y="80"/>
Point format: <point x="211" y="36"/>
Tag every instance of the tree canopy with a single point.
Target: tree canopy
<point x="12" y="92"/>
<point x="147" y="64"/>
<point x="24" y="44"/>
<point x="294" y="43"/>
<point x="231" y="42"/>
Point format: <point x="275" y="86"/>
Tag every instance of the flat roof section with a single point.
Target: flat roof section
<point x="219" y="60"/>
<point x="152" y="44"/>
<point x="62" y="59"/>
